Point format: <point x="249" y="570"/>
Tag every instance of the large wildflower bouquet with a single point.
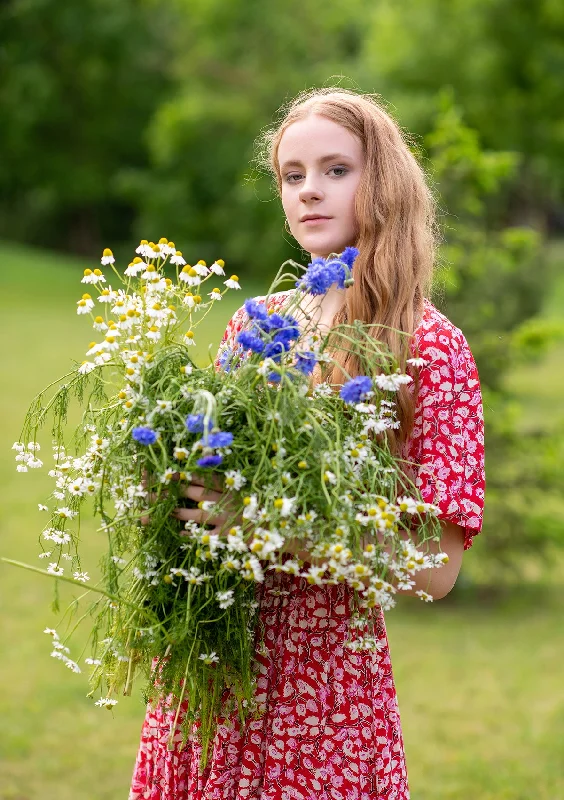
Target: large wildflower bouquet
<point x="177" y="603"/>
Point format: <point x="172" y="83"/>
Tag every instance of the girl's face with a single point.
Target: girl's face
<point x="320" y="167"/>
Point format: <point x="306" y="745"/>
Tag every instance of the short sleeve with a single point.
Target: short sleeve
<point x="447" y="441"/>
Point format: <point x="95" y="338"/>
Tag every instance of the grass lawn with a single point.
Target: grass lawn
<point x="480" y="686"/>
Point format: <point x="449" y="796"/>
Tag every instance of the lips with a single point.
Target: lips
<point x="314" y="218"/>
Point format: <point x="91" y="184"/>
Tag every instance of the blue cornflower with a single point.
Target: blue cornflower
<point x="319" y="276"/>
<point x="144" y="435"/>
<point x="224" y="361"/>
<point x="339" y="273"/>
<point x="250" y="341"/>
<point x="274" y="350"/>
<point x="256" y="310"/>
<point x="286" y="335"/>
<point x="348" y="256"/>
<point x="278" y="323"/>
<point x="219" y="439"/>
<point x="195" y="423"/>
<point x="209" y="461"/>
<point x="274" y="377"/>
<point x="305" y="362"/>
<point x="356" y="389"/>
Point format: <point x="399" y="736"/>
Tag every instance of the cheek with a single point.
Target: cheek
<point x="286" y="202"/>
<point x="351" y="208"/>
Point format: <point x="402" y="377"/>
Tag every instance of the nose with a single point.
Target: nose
<point x="309" y="191"/>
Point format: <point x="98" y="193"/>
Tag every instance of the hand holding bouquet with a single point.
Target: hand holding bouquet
<point x="206" y="477"/>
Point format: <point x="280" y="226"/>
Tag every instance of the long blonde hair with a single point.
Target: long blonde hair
<point x="395" y="212"/>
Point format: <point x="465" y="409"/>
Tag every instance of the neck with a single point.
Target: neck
<point x="322" y="308"/>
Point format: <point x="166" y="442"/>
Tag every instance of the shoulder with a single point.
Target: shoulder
<point x="442" y="344"/>
<point x="436" y="333"/>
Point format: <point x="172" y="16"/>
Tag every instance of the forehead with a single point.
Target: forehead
<point x="309" y="140"/>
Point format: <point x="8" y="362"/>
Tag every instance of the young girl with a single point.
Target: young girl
<point x="331" y="728"/>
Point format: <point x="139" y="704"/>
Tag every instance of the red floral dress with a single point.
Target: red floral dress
<point x="332" y="727"/>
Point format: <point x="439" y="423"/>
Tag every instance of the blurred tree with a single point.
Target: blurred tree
<point x="505" y="61"/>
<point x="492" y="282"/>
<point x="236" y="63"/>
<point x="78" y="84"/>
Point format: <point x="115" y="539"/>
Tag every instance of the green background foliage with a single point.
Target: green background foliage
<point x="139" y="118"/>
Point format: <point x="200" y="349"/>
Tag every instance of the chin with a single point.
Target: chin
<point x="321" y="247"/>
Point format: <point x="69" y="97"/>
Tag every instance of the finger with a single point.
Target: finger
<point x="215" y="531"/>
<point x="198" y="493"/>
<point x="200" y="516"/>
<point x="215" y="478"/>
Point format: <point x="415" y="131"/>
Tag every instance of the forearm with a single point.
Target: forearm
<point x="436" y="581"/>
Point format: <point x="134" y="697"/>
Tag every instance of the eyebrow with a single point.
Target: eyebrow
<point x="331" y="157"/>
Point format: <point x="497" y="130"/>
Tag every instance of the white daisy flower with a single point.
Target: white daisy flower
<point x="18" y="446"/>
<point x="215" y="294"/>
<point x="188" y="300"/>
<point x="135" y="268"/>
<point x="235" y="539"/>
<point x="45" y="554"/>
<point x="201" y="269"/>
<point x="150" y="272"/>
<point x="154" y="333"/>
<point x="225" y="599"/>
<point x="181" y="454"/>
<point x="391" y="383"/>
<point x="177" y="258"/>
<point x="217" y="267"/>
<point x="65" y="513"/>
<point x="54" y="569"/>
<point x="234" y="479"/>
<point x="75" y="487"/>
<point x="52" y="632"/>
<point x="107" y="295"/>
<point x="142" y="248"/>
<point x="209" y="658"/>
<point x="106" y="702"/>
<point x="163" y="406"/>
<point x="107" y="256"/>
<point x="285" y="505"/>
<point x="167" y="475"/>
<point x="418" y="362"/>
<point x="314" y="575"/>
<point x="93" y="661"/>
<point x="232" y="282"/>
<point x="251" y="505"/>
<point x="95" y="276"/>
<point x="85" y="304"/>
<point x="252" y="570"/>
<point x="41" y="507"/>
<point x="83" y="577"/>
<point x="231" y="564"/>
